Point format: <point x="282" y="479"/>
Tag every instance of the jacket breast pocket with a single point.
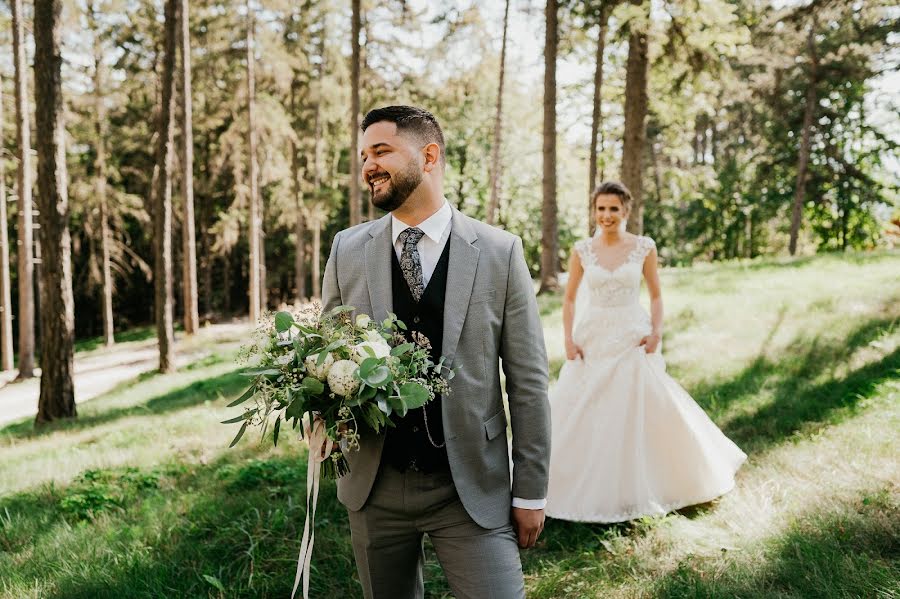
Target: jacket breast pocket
<point x="495" y="425"/>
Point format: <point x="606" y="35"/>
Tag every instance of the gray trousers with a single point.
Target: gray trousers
<point x="388" y="534"/>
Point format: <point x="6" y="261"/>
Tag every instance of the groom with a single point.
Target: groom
<point x="444" y="470"/>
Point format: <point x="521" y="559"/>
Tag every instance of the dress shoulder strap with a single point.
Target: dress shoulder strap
<point x="585" y="251"/>
<point x="642" y="248"/>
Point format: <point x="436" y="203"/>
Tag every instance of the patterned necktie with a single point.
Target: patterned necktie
<point x="410" y="261"/>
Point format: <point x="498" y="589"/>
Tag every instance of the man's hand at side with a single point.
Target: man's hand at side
<point x="528" y="525"/>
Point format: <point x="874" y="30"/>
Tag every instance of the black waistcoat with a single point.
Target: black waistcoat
<point x="407" y="445"/>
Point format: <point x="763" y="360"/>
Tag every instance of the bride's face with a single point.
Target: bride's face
<point x="609" y="212"/>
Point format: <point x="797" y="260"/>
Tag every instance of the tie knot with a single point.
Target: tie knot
<point x="411" y="236"/>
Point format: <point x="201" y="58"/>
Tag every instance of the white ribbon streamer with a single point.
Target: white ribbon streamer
<point x="320" y="447"/>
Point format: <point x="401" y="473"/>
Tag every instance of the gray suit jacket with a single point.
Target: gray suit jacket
<point x="490" y="314"/>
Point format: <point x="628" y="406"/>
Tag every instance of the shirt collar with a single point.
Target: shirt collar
<point x="433" y="226"/>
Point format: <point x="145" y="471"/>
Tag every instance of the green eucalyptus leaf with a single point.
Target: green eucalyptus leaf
<point x="239" y="434"/>
<point x="283" y="321"/>
<point x="340" y="310"/>
<point x="277" y="429"/>
<point x="244" y="397"/>
<point x="379" y="377"/>
<point x="414" y="395"/>
<point x="397" y="405"/>
<point x="367" y="366"/>
<point x="261" y="372"/>
<point x="401" y="349"/>
<point x="245" y="416"/>
<point x="312" y="386"/>
<point x="334" y="345"/>
<point x="295" y="410"/>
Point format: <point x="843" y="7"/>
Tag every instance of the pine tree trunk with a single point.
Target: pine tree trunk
<point x="57" y="395"/>
<point x="254" y="235"/>
<point x="25" y="271"/>
<point x="162" y="267"/>
<point x="300" y="222"/>
<point x="317" y="125"/>
<point x="355" y="205"/>
<point x="6" y="342"/>
<point x="263" y="276"/>
<point x="316" y="257"/>
<point x="498" y="128"/>
<point x="226" y="282"/>
<point x="549" y="232"/>
<point x="803" y="157"/>
<point x="657" y="175"/>
<point x="597" y="113"/>
<point x="635" y="125"/>
<point x="100" y="180"/>
<point x="208" y="260"/>
<point x="188" y="236"/>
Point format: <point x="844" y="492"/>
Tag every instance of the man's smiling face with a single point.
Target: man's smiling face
<point x="391" y="165"/>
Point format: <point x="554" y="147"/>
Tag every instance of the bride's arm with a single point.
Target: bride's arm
<point x="651" y="275"/>
<point x="576" y="271"/>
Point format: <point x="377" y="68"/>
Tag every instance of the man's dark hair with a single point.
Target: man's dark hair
<point x="410" y="120"/>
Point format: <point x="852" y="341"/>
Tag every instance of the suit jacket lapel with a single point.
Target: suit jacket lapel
<point x="378" y="268"/>
<point x="460" y="279"/>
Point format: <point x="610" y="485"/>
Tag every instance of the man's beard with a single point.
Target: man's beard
<point x="399" y="189"/>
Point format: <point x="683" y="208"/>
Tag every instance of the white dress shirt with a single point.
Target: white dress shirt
<point x="437" y="231"/>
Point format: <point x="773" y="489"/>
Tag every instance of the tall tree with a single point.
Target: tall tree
<point x="57" y="395"/>
<point x="255" y="235"/>
<point x="803" y="155"/>
<point x="25" y="242"/>
<point x="300" y="221"/>
<point x="188" y="241"/>
<point x="494" y="204"/>
<point x="355" y="205"/>
<point x="635" y="118"/>
<point x="101" y="176"/>
<point x="549" y="226"/>
<point x="603" y="12"/>
<point x="162" y="204"/>
<point x="6" y="343"/>
<point x="317" y="217"/>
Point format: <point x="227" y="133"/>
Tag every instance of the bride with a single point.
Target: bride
<point x="644" y="447"/>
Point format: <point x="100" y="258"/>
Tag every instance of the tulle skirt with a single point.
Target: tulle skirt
<point x="628" y="441"/>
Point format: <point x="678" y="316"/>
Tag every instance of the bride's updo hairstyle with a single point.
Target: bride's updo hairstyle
<point x="616" y="189"/>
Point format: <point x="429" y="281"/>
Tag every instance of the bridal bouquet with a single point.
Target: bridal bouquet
<point x="345" y="375"/>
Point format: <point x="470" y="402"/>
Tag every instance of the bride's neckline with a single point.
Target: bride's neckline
<point x="595" y="258"/>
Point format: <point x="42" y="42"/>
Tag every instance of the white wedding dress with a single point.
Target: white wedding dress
<point x="628" y="441"/>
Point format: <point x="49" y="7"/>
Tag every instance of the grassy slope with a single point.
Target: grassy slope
<point x="797" y="361"/>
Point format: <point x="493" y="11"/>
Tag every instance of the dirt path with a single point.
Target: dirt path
<point x="97" y="371"/>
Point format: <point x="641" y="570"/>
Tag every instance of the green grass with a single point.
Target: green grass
<point x="797" y="360"/>
<point x="136" y="334"/>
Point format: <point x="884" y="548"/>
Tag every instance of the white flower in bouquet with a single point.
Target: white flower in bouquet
<point x="374" y="337"/>
<point x="317" y="371"/>
<point x="376" y="342"/>
<point x="342" y="379"/>
<point x="363" y="320"/>
<point x="285" y="359"/>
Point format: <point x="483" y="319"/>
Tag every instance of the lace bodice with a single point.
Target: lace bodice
<point x="620" y="286"/>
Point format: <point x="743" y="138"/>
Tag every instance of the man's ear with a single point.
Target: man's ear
<point x="432" y="156"/>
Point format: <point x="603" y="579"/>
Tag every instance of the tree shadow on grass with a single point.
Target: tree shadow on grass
<point x="851" y="551"/>
<point x="226" y="385"/>
<point x="235" y="523"/>
<point x="796" y="401"/>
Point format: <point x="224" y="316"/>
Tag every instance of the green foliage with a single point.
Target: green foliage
<point x="99" y="491"/>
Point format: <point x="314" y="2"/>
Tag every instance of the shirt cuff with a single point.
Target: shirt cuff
<point x="529" y="504"/>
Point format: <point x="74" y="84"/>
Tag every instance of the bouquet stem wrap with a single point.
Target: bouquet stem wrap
<point x="320" y="447"/>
